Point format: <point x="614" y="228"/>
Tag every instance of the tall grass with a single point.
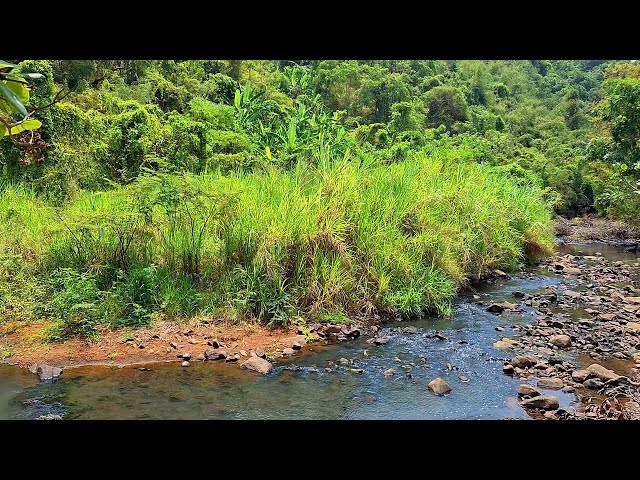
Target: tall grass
<point x="350" y="237"/>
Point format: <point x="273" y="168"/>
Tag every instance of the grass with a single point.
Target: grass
<point x="353" y="237"/>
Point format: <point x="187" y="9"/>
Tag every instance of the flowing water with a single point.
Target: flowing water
<point x="314" y="385"/>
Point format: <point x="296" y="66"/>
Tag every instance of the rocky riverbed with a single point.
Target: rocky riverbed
<point x="587" y="323"/>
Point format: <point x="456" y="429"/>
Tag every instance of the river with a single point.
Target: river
<point x="315" y="385"/>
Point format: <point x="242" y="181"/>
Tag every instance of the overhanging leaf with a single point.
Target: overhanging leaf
<point x="3" y="130"/>
<point x="26" y="125"/>
<point x="20" y="90"/>
<point x="5" y="64"/>
<point x="12" y="98"/>
<point x="23" y="75"/>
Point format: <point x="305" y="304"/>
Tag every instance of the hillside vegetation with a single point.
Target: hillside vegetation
<point x="268" y="189"/>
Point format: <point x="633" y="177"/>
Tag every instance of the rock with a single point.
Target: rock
<point x="607" y="317"/>
<point x="243" y="353"/>
<point x="495" y="308"/>
<point x="524" y="361"/>
<point x="635" y="300"/>
<point x="505" y="344"/>
<point x="572" y="294"/>
<point x="185" y="356"/>
<point x="593" y="383"/>
<point x="257" y="364"/>
<point x="572" y="270"/>
<point x="260" y="353"/>
<point x="633" y="326"/>
<point x="580" y="375"/>
<point x="343" y="361"/>
<point x="569" y="389"/>
<point x="439" y="386"/>
<point x="173" y="344"/>
<point x="499" y="273"/>
<point x="201" y="357"/>
<point x="499" y="329"/>
<point x="296" y="346"/>
<point x="525" y="390"/>
<point x="46" y="373"/>
<point x="214" y="343"/>
<point x="591" y="311"/>
<point x="463" y="378"/>
<point x="288" y="351"/>
<point x="544" y="402"/>
<point x="185" y="363"/>
<point x="411" y="330"/>
<point x="602" y="373"/>
<point x="332" y="329"/>
<point x="561" y="341"/>
<point x="553" y="383"/>
<point x="508" y="369"/>
<point x="517" y="294"/>
<point x="380" y="340"/>
<point x="49" y="416"/>
<point x="390" y="372"/>
<point x="232" y="358"/>
<point x="213" y="354"/>
<point x="357" y="370"/>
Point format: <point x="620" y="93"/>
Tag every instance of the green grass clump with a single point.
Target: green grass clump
<point x="352" y="237"/>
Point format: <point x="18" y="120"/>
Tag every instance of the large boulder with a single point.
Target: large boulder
<point x="528" y="391"/>
<point x="258" y="364"/>
<point x="46" y="373"/>
<point x="551" y="383"/>
<point x="560" y="341"/>
<point x="523" y="361"/>
<point x="544" y="402"/>
<point x="602" y="373"/>
<point x="439" y="386"/>
<point x="581" y="375"/>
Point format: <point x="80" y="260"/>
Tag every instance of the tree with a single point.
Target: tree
<point x="446" y="106"/>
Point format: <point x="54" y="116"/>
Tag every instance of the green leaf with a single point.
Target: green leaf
<point x="20" y="90"/>
<point x="26" y="125"/>
<point x="3" y="130"/>
<point x="236" y="99"/>
<point x="267" y="150"/>
<point x="5" y="64"/>
<point x="23" y="75"/>
<point x="12" y="98"/>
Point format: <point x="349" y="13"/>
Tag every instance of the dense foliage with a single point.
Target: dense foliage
<point x="268" y="188"/>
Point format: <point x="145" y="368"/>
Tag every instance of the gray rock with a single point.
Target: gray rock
<point x="390" y="372"/>
<point x="525" y="390"/>
<point x="553" y="383"/>
<point x="380" y="340"/>
<point x="288" y="351"/>
<point x="580" y="375"/>
<point x="572" y="294"/>
<point x="185" y="356"/>
<point x="544" y="402"/>
<point x="257" y="364"/>
<point x="296" y="345"/>
<point x="49" y="416"/>
<point x="439" y="386"/>
<point x="357" y="370"/>
<point x="213" y="354"/>
<point x="260" y="353"/>
<point x="593" y="383"/>
<point x="343" y="361"/>
<point x="185" y="363"/>
<point x="46" y="373"/>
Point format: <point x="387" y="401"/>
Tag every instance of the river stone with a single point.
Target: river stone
<point x="572" y="294"/>
<point x="528" y="391"/>
<point x="495" y="308"/>
<point x="288" y="351"/>
<point x="505" y="344"/>
<point x="544" y="402"/>
<point x="380" y="340"/>
<point x="607" y="317"/>
<point x="553" y="383"/>
<point x="185" y="363"/>
<point x="185" y="356"/>
<point x="257" y="364"/>
<point x="46" y="373"/>
<point x="602" y="373"/>
<point x="572" y="270"/>
<point x="508" y="369"/>
<point x="214" y="343"/>
<point x="523" y="361"/>
<point x="260" y="353"/>
<point x="635" y="300"/>
<point x="357" y="370"/>
<point x="390" y="372"/>
<point x="580" y="375"/>
<point x="343" y="361"/>
<point x="213" y="354"/>
<point x="561" y="341"/>
<point x="296" y="346"/>
<point x="439" y="386"/>
<point x="633" y="326"/>
<point x="593" y="383"/>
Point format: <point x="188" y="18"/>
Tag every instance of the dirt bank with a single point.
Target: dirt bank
<point x="591" y="228"/>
